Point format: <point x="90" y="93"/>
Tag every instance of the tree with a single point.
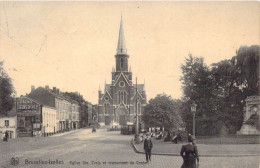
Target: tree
<point x="197" y="87"/>
<point x="163" y="111"/>
<point x="6" y="92"/>
<point x="228" y="95"/>
<point x="219" y="90"/>
<point x="246" y="69"/>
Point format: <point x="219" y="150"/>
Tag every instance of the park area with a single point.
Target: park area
<point x="232" y="145"/>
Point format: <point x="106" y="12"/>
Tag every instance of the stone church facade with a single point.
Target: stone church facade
<point x="117" y="103"/>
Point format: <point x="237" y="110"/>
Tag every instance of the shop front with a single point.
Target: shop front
<point x="28" y="117"/>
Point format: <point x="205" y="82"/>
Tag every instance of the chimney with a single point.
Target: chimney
<point x="54" y="90"/>
<point x="58" y="91"/>
<point x="47" y="87"/>
<point x="32" y="88"/>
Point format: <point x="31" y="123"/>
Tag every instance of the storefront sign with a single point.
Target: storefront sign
<point x="26" y="107"/>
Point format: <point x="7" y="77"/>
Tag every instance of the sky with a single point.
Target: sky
<point x="72" y="45"/>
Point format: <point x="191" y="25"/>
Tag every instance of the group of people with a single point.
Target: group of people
<point x="189" y="152"/>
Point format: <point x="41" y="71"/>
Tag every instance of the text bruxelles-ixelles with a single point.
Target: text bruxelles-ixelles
<point x="40" y="161"/>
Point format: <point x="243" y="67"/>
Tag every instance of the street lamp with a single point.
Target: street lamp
<point x="137" y="140"/>
<point x="193" y="107"/>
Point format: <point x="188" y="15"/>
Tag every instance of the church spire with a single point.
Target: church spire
<point x="121" y="47"/>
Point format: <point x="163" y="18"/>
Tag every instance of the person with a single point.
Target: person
<point x="141" y="137"/>
<point x="177" y="137"/>
<point x="93" y="129"/>
<point x="148" y="145"/>
<point x="6" y="136"/>
<point x="189" y="153"/>
<point x="168" y="137"/>
<point x="159" y="136"/>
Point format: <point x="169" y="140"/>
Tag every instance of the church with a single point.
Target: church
<point x="120" y="100"/>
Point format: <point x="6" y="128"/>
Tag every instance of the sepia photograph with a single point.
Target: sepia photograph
<point x="129" y="84"/>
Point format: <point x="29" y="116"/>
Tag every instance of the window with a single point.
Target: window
<point x="122" y="84"/>
<point x="122" y="63"/>
<point x="106" y="106"/>
<point x="139" y="107"/>
<point x="122" y="97"/>
<point x="6" y="123"/>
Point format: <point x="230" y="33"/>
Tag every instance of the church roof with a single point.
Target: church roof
<point x="107" y="87"/>
<point x="140" y="87"/>
<point x="121" y="46"/>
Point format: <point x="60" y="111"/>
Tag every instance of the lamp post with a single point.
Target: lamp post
<point x="137" y="140"/>
<point x="193" y="107"/>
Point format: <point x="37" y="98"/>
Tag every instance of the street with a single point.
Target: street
<point x="81" y="148"/>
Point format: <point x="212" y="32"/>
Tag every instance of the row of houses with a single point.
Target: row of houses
<point x="44" y="112"/>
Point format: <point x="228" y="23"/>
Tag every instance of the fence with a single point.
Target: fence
<point x="229" y="139"/>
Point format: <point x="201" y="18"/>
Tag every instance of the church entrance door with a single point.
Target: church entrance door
<point x="107" y="120"/>
<point x="122" y="119"/>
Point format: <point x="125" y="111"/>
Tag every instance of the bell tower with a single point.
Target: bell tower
<point x="121" y="55"/>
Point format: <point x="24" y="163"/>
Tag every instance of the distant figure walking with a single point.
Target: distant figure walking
<point x="148" y="145"/>
<point x="6" y="136"/>
<point x="190" y="154"/>
<point x="93" y="129"/>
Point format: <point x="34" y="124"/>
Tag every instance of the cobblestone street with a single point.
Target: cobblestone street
<point x="82" y="148"/>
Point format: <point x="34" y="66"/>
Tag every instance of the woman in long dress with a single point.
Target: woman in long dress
<point x="189" y="154"/>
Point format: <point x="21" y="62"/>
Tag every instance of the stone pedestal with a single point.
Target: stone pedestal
<point x="247" y="129"/>
<point x="252" y="108"/>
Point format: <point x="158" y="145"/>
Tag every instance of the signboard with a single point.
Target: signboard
<point x="26" y="107"/>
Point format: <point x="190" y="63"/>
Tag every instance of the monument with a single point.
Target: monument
<point x="251" y="116"/>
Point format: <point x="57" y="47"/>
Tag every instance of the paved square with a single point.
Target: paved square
<point x="103" y="149"/>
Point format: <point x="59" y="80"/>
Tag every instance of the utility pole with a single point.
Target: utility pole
<point x="137" y="140"/>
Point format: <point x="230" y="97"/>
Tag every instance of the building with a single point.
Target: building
<point x="89" y="111"/>
<point x="67" y="110"/>
<point x="117" y="104"/>
<point x="86" y="115"/>
<point x="9" y="123"/>
<point x="94" y="114"/>
<point x="34" y="118"/>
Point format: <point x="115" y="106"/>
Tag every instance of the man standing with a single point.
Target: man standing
<point x="148" y="145"/>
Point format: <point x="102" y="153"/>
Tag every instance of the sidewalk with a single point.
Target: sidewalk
<point x="171" y="149"/>
<point x="31" y="139"/>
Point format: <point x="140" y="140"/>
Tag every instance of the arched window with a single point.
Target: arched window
<point x="106" y="108"/>
<point x="125" y="98"/>
<point x="122" y="97"/>
<point x="122" y="63"/>
<point x="139" y="107"/>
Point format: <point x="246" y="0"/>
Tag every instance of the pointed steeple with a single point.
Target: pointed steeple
<point x="121" y="46"/>
<point x="144" y="86"/>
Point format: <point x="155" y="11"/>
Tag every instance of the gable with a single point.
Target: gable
<point x="106" y="95"/>
<point x="120" y="78"/>
<point x="121" y="109"/>
<point x="138" y="94"/>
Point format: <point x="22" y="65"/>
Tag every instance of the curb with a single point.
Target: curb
<point x="203" y="155"/>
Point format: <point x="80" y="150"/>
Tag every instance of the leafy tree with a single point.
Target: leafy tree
<point x="229" y="97"/>
<point x="219" y="90"/>
<point x="163" y="111"/>
<point x="197" y="87"/>
<point x="246" y="69"/>
<point x="6" y="92"/>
